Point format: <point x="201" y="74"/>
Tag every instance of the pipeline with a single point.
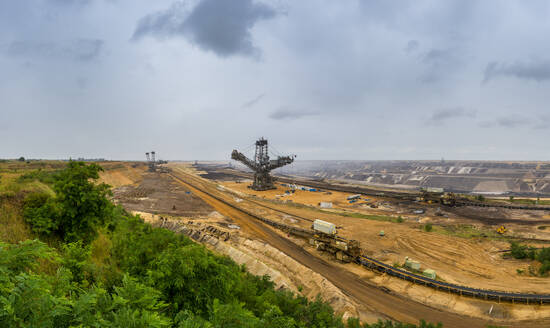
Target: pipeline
<point x="375" y="265"/>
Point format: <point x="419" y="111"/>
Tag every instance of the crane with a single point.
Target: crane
<point x="262" y="165"/>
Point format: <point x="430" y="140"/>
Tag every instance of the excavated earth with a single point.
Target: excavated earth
<point x="158" y="193"/>
<point x="474" y="262"/>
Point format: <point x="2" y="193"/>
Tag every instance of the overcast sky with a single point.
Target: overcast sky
<point x="320" y="79"/>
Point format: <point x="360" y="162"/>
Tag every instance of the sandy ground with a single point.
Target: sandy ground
<point x="473" y="262"/>
<point x="157" y="193"/>
<point x="117" y="174"/>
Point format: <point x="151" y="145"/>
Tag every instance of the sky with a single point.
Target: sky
<point x="365" y="80"/>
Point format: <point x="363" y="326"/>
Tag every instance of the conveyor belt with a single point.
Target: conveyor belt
<point x="378" y="266"/>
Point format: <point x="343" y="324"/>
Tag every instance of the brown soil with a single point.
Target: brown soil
<point x="474" y="262"/>
<point x="157" y="193"/>
<point x="363" y="292"/>
<point x="470" y="262"/>
<point x="117" y="174"/>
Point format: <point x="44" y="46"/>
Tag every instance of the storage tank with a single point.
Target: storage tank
<point x="324" y="227"/>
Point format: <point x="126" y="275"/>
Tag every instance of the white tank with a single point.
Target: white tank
<point x="324" y="227"/>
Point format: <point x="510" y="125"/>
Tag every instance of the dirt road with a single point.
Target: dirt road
<point x="394" y="306"/>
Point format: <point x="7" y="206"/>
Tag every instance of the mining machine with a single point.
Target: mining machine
<point x="151" y="161"/>
<point x="262" y="165"/>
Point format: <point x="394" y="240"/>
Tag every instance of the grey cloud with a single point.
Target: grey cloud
<point x="445" y="114"/>
<point x="537" y="70"/>
<point x="412" y="46"/>
<point x="438" y="62"/>
<point x="510" y="121"/>
<point x="220" y="26"/>
<point x="291" y="114"/>
<point x="70" y="2"/>
<point x="253" y="102"/>
<point x="80" y="49"/>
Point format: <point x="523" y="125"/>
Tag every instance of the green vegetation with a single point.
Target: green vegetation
<point x="95" y="265"/>
<point x="47" y="177"/>
<point x="468" y="231"/>
<point x="350" y="214"/>
<point x="369" y="216"/>
<point x="519" y="251"/>
<point x="528" y="201"/>
<point x="480" y="198"/>
<point x="78" y="208"/>
<point x="427" y="227"/>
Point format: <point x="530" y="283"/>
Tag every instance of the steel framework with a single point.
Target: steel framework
<point x="262" y="165"/>
<point x="151" y="161"/>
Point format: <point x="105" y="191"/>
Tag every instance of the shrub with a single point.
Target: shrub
<point x="41" y="212"/>
<point x="428" y="227"/>
<point x="519" y="251"/>
<point x="47" y="177"/>
<point x="77" y="260"/>
<point x="84" y="205"/>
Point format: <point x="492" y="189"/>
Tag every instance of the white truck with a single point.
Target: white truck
<point x="324" y="227"/>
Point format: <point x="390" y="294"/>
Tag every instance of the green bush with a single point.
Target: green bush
<point x="84" y="205"/>
<point x="47" y="177"/>
<point x="543" y="256"/>
<point x="78" y="208"/>
<point x="156" y="278"/>
<point x="428" y="227"/>
<point x="77" y="260"/>
<point x="41" y="212"/>
<point x="519" y="251"/>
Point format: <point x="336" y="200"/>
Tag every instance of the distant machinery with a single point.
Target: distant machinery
<point x="262" y="165"/>
<point x="151" y="161"/>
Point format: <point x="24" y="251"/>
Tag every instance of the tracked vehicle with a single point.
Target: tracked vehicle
<point x="326" y="239"/>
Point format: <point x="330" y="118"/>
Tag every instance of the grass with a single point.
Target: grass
<point x="13" y="189"/>
<point x="469" y="231"/>
<point x="13" y="227"/>
<point x="355" y="215"/>
<point x="528" y="201"/>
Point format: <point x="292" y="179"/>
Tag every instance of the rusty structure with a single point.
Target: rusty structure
<point x="262" y="165"/>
